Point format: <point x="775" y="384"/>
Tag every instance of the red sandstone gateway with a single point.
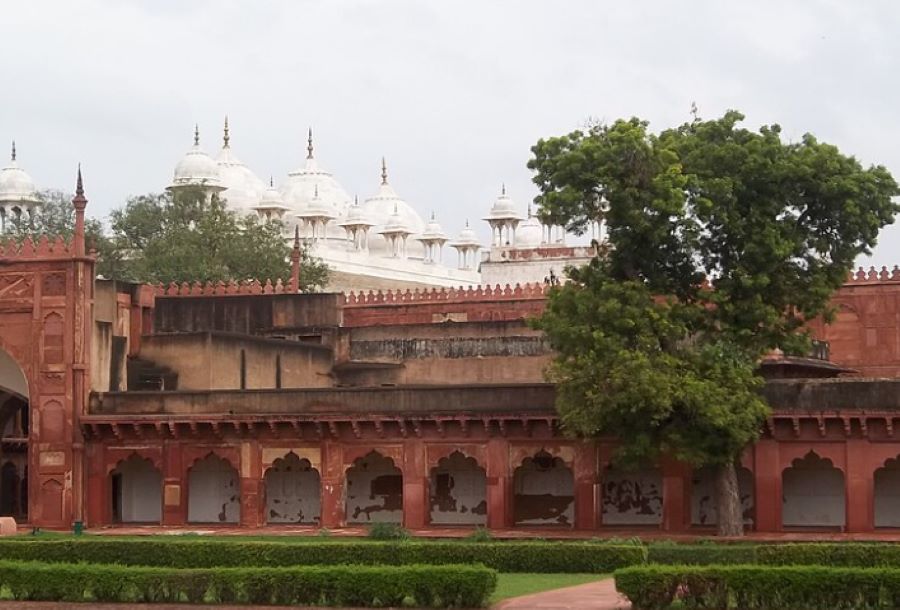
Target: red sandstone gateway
<point x="252" y="404"/>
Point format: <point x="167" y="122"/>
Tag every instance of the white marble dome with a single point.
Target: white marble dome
<point x="466" y="237"/>
<point x="433" y="230"/>
<point x="196" y="168"/>
<point x="380" y="209"/>
<point x="356" y="217"/>
<point x="16" y="186"/>
<point x="529" y="233"/>
<point x="303" y="183"/>
<point x="504" y="207"/>
<point x="243" y="189"/>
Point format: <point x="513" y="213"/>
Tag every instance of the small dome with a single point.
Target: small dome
<point x="529" y="233"/>
<point x="271" y="199"/>
<point x="433" y="231"/>
<point x="383" y="205"/>
<point x="316" y="208"/>
<point x="243" y="189"/>
<point x="356" y="217"/>
<point x="196" y="168"/>
<point x="466" y="237"/>
<point x="504" y="208"/>
<point x="396" y="223"/>
<point x="16" y="186"/>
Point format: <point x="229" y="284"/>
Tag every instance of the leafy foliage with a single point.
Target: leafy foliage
<point x="648" y="351"/>
<point x="54" y="215"/>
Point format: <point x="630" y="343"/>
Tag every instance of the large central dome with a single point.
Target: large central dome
<point x="303" y="185"/>
<point x="243" y="189"/>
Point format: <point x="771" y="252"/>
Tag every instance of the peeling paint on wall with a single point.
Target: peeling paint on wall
<point x="213" y="492"/>
<point x="458" y="491"/>
<point x="292" y="491"/>
<point x="813" y="493"/>
<point x="544" y="491"/>
<point x="632" y="497"/>
<point x="374" y="490"/>
<point x="409" y="349"/>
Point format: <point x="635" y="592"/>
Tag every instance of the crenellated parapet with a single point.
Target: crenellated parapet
<point x="205" y="289"/>
<point x="861" y="276"/>
<point x="517" y="292"/>
<point x="43" y="247"/>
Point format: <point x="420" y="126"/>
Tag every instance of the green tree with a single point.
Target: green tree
<point x="54" y="215"/>
<point x="648" y="350"/>
<point x="161" y="238"/>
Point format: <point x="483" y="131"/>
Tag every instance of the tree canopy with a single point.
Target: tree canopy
<point x="158" y="238"/>
<point x="721" y="243"/>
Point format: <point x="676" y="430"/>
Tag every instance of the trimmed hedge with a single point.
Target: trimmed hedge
<point x="760" y="587"/>
<point x="701" y="554"/>
<point x="368" y="586"/>
<point x="849" y="554"/>
<point x="543" y="557"/>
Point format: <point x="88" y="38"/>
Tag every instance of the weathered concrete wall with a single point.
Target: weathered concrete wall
<point x="632" y="497"/>
<point x="814" y="494"/>
<point x="214" y="361"/>
<point x="374" y="491"/>
<point x="213" y="492"/>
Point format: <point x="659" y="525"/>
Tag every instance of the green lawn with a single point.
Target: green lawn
<point x="514" y="585"/>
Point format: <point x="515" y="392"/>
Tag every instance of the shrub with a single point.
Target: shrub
<point x="847" y="554"/>
<point x="544" y="557"/>
<point x="388" y="531"/>
<point x="656" y="587"/>
<point x="367" y="586"/>
<point x="701" y="554"/>
<point x="480" y="534"/>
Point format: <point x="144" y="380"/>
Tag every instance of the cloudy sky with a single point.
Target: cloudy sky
<point x="452" y="93"/>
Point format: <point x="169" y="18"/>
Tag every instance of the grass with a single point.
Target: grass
<point x="514" y="585"/>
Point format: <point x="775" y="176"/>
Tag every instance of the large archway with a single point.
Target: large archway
<point x="887" y="494"/>
<point x="543" y="491"/>
<point x="136" y="486"/>
<point x="14" y="435"/>
<point x="632" y="497"/>
<point x="703" y="496"/>
<point x="293" y="489"/>
<point x="213" y="491"/>
<point x="813" y="493"/>
<point x="374" y="490"/>
<point x="458" y="491"/>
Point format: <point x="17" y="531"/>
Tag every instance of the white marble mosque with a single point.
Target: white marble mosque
<point x="381" y="242"/>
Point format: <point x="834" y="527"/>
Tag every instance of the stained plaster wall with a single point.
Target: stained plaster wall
<point x="292" y="492"/>
<point x="632" y="497"/>
<point x="703" y="496"/>
<point x="213" y="492"/>
<point x="374" y="491"/>
<point x="544" y="496"/>
<point x="813" y="495"/>
<point x="458" y="490"/>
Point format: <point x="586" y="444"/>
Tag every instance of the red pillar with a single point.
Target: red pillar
<point x="174" y="490"/>
<point x="587" y="487"/>
<point x="251" y="483"/>
<point x="676" y="495"/>
<point x="97" y="507"/>
<point x="332" y="477"/>
<point x="860" y="486"/>
<point x="767" y="486"/>
<point x="499" y="484"/>
<point x="415" y="485"/>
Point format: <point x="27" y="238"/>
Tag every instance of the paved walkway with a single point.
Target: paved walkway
<point x="599" y="595"/>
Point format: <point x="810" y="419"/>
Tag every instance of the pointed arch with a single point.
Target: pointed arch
<point x="374" y="490"/>
<point x="293" y="491"/>
<point x="813" y="493"/>
<point x="543" y="491"/>
<point x="458" y="491"/>
<point x="136" y="486"/>
<point x="213" y="491"/>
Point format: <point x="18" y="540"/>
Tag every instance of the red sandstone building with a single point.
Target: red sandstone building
<point x="255" y="405"/>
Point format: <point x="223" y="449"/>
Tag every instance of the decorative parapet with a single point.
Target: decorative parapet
<point x="44" y="247"/>
<point x="200" y="289"/>
<point x="455" y="295"/>
<point x="861" y="276"/>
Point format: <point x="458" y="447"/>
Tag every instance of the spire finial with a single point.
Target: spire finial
<point x="295" y="262"/>
<point x="226" y="138"/>
<point x="271" y="182"/>
<point x="356" y="201"/>
<point x="79" y="202"/>
<point x="529" y="209"/>
<point x="467" y="223"/>
<point x="13" y="156"/>
<point x="432" y="214"/>
<point x="383" y="171"/>
<point x="503" y="188"/>
<point x="316" y="191"/>
<point x="296" y="237"/>
<point x="196" y="135"/>
<point x="79" y="184"/>
<point x="309" y="144"/>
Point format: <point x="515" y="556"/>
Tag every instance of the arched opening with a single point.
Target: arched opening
<point x="292" y="491"/>
<point x="887" y="494"/>
<point x="136" y="491"/>
<point x="14" y="433"/>
<point x="458" y="491"/>
<point x="703" y="496"/>
<point x="632" y="497"/>
<point x="374" y="490"/>
<point x="813" y="493"/>
<point x="543" y="491"/>
<point x="213" y="491"/>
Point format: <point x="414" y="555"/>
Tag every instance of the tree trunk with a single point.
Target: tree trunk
<point x="728" y="501"/>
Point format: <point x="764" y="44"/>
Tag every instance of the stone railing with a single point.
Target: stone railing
<point x="455" y="295"/>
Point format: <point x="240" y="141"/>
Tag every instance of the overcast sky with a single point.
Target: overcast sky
<point x="452" y="93"/>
